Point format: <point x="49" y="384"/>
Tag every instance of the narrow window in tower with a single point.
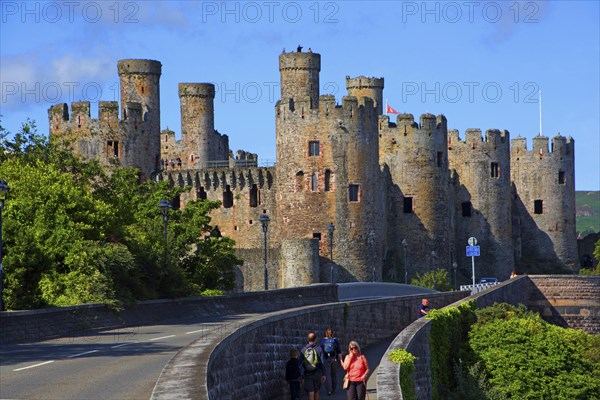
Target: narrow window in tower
<point x="561" y="178"/>
<point x="466" y="209"/>
<point x="227" y="197"/>
<point x="354" y="193"/>
<point x="313" y="148"/>
<point x="408" y="205"/>
<point x="201" y="193"/>
<point x="495" y="170"/>
<point x="254" y="196"/>
<point x="313" y="182"/>
<point x="179" y="162"/>
<point x="79" y="121"/>
<point x="538" y="206"/>
<point x="327" y="180"/>
<point x="317" y="235"/>
<point x="299" y="181"/>
<point x="440" y="158"/>
<point x="176" y="202"/>
<point x="142" y="90"/>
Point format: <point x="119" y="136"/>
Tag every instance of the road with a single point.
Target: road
<point x="115" y="364"/>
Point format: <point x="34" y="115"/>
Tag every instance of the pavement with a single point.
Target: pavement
<point x="374" y="354"/>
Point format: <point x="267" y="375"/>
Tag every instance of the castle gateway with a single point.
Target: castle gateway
<point x="403" y="195"/>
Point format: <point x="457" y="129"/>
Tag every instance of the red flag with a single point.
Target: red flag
<point x="390" y="110"/>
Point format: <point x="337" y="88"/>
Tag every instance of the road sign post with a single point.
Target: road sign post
<point x="473" y="251"/>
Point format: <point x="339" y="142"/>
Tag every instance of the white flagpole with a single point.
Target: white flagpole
<point x="540" y="101"/>
<point x="386" y="108"/>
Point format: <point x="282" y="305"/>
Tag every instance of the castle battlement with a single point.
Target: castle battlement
<point x="560" y="145"/>
<point x="139" y="67"/>
<point x="219" y="179"/>
<point x="205" y="90"/>
<point x="80" y="116"/>
<point x="474" y="139"/>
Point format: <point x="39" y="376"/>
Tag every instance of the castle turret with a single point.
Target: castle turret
<point x="363" y="86"/>
<point x="140" y="83"/>
<point x="197" y="122"/>
<point x="414" y="158"/>
<point x="300" y="77"/>
<point x="544" y="180"/>
<point x="482" y="206"/>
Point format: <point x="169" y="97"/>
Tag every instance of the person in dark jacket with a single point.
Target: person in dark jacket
<point x="292" y="374"/>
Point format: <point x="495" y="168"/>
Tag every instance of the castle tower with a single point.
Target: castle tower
<point x="414" y="158"/>
<point x="300" y="77"/>
<point x="140" y="83"/>
<point x="363" y="86"/>
<point x="483" y="200"/>
<point x="197" y="122"/>
<point x="328" y="172"/>
<point x="544" y="180"/>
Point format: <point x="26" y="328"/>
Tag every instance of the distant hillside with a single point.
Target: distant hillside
<point x="587" y="212"/>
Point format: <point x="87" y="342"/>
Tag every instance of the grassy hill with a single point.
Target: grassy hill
<point x="588" y="212"/>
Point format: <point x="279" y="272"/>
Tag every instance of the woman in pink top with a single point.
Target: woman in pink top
<point x="357" y="370"/>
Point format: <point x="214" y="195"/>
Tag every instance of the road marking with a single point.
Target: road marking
<point x="199" y="330"/>
<point x="33" y="366"/>
<point x="81" y="354"/>
<point x="120" y="345"/>
<point x="163" y="337"/>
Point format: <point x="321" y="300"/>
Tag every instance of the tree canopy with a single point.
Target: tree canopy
<point x="74" y="233"/>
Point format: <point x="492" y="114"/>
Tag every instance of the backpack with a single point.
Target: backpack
<point x="329" y="346"/>
<point x="311" y="358"/>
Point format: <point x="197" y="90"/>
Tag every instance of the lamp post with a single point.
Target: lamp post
<point x="264" y="221"/>
<point x="165" y="206"/>
<point x="4" y="188"/>
<point x="454" y="267"/>
<point x="433" y="257"/>
<point x="405" y="247"/>
<point x="330" y="229"/>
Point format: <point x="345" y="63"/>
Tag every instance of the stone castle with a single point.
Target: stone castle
<point x="403" y="196"/>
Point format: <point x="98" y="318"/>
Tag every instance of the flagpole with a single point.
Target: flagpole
<point x="386" y="106"/>
<point x="540" y="101"/>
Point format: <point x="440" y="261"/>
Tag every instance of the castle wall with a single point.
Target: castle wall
<point x="299" y="262"/>
<point x="363" y="86"/>
<point x="415" y="159"/>
<point x="544" y="180"/>
<point x="300" y="77"/>
<point x="482" y="205"/>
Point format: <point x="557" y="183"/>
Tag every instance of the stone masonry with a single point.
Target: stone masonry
<point x="378" y="181"/>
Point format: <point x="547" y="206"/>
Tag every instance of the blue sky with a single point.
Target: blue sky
<point x="480" y="63"/>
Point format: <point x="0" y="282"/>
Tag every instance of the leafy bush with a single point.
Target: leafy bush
<point x="407" y="361"/>
<point x="437" y="279"/>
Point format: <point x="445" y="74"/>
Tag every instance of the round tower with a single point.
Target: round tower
<point x="140" y="83"/>
<point x="197" y="122"/>
<point x="363" y="86"/>
<point x="300" y="77"/>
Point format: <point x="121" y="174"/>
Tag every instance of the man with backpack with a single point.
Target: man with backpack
<point x="333" y="354"/>
<point x="312" y="368"/>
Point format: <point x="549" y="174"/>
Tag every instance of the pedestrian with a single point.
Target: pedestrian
<point x="312" y="369"/>
<point x="357" y="370"/>
<point x="333" y="355"/>
<point x="513" y="274"/>
<point x="292" y="374"/>
<point x="423" y="308"/>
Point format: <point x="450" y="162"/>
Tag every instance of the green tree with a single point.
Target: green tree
<point x="437" y="279"/>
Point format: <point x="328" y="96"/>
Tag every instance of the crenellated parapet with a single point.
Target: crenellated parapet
<point x="541" y="146"/>
<point x="363" y="86"/>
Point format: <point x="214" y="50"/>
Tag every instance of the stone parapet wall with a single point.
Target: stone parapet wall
<point x="45" y="324"/>
<point x="568" y="300"/>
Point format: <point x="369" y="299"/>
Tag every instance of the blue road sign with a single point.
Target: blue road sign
<point x="472" y="251"/>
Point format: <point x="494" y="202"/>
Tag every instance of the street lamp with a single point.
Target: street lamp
<point x="330" y="229"/>
<point x="264" y="221"/>
<point x="454" y="267"/>
<point x="405" y="247"/>
<point x="4" y="188"/>
<point x="165" y="206"/>
<point x="433" y="257"/>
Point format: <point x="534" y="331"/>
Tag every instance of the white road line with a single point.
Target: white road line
<point x="120" y="345"/>
<point x="199" y="330"/>
<point x="81" y="354"/>
<point x="163" y="337"/>
<point x="33" y="366"/>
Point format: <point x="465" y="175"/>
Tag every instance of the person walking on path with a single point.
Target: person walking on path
<point x="292" y="374"/>
<point x="312" y="369"/>
<point x="333" y="354"/>
<point x="423" y="308"/>
<point x="357" y="369"/>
